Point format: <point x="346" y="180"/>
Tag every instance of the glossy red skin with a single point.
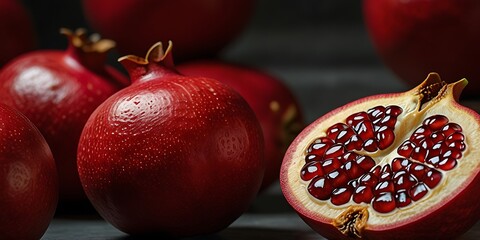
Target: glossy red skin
<point x="171" y="155"/>
<point x="259" y="90"/>
<point x="28" y="179"/>
<point x="417" y="37"/>
<point x="17" y="30"/>
<point x="58" y="92"/>
<point x="197" y="28"/>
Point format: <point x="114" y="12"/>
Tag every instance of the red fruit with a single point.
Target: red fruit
<point x="17" y="30"/>
<point x="274" y="105"/>
<point x="198" y="28"/>
<point x="58" y="90"/>
<point x="171" y="154"/>
<point x="401" y="195"/>
<point x="419" y="36"/>
<point x="29" y="192"/>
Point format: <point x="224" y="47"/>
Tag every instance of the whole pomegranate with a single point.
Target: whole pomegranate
<point x="198" y="28"/>
<point x="171" y="154"/>
<point x="29" y="192"/>
<point x="274" y="105"/>
<point x="16" y="26"/>
<point x="391" y="166"/>
<point x="58" y="90"/>
<point x="419" y="36"/>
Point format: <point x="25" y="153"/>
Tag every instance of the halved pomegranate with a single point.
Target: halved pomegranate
<point x="392" y="166"/>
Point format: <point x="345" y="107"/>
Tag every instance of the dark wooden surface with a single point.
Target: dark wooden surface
<point x="326" y="64"/>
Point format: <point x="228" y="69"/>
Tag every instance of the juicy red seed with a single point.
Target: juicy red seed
<point x="349" y="156"/>
<point x="402" y="199"/>
<point x="384" y="202"/>
<point x="311" y="170"/>
<point x="450" y="129"/>
<point x="437" y="137"/>
<point x="384" y="186"/>
<point x="419" y="134"/>
<point x="331" y="164"/>
<point x="341" y="195"/>
<point x="455" y="137"/>
<point x="353" y="143"/>
<point x="320" y="188"/>
<point x="363" y="194"/>
<point x="368" y="179"/>
<point x="370" y="145"/>
<point x="433" y="178"/>
<point x="339" y="178"/>
<point x="419" y="154"/>
<point x="320" y="146"/>
<point x="334" y="151"/>
<point x="353" y="170"/>
<point x="433" y="161"/>
<point x="393" y="110"/>
<point x="356" y="118"/>
<point x="458" y="145"/>
<point x="386" y="173"/>
<point x="334" y="130"/>
<point x="353" y="183"/>
<point x="376" y="171"/>
<point x="388" y="121"/>
<point x="406" y="149"/>
<point x="418" y="191"/>
<point x="344" y="135"/>
<point x="435" y="122"/>
<point x="376" y="112"/>
<point x="447" y="164"/>
<point x="419" y="171"/>
<point x="403" y="180"/>
<point x="385" y="137"/>
<point x="364" y="130"/>
<point x="311" y="158"/>
<point x="400" y="164"/>
<point x="365" y="162"/>
<point x="452" y="153"/>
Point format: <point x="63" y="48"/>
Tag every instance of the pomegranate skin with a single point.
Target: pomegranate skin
<point x="29" y="192"/>
<point x="58" y="90"/>
<point x="18" y="34"/>
<point x="417" y="37"/>
<point x="453" y="215"/>
<point x="274" y="105"/>
<point x="198" y="28"/>
<point x="170" y="154"/>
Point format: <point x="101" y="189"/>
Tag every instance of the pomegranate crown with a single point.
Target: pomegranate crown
<point x="88" y="44"/>
<point x="154" y="54"/>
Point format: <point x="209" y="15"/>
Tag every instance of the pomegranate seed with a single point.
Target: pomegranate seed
<point x="435" y="122"/>
<point x="331" y="164"/>
<point x="354" y="143"/>
<point x="388" y="121"/>
<point x="433" y="178"/>
<point x="362" y="194"/>
<point x="419" y="171"/>
<point x="311" y="170"/>
<point x="418" y="191"/>
<point x="393" y="110"/>
<point x="365" y="162"/>
<point x="384" y="186"/>
<point x="454" y="138"/>
<point x="349" y="156"/>
<point x="402" y="199"/>
<point x="370" y="145"/>
<point x="320" y="146"/>
<point x="385" y="137"/>
<point x="450" y="129"/>
<point x="447" y="164"/>
<point x="437" y="137"/>
<point x="452" y="153"/>
<point x="353" y="170"/>
<point x="406" y="149"/>
<point x="386" y="173"/>
<point x="419" y="154"/>
<point x="376" y="171"/>
<point x="368" y="179"/>
<point x="457" y="145"/>
<point x="312" y="157"/>
<point x="334" y="130"/>
<point x="320" y="188"/>
<point x="338" y="177"/>
<point x="384" y="202"/>
<point x="356" y="118"/>
<point x="433" y="161"/>
<point x="403" y="180"/>
<point x="376" y="112"/>
<point x="341" y="196"/>
<point x="419" y="134"/>
<point x="400" y="164"/>
<point x="353" y="183"/>
<point x="336" y="150"/>
<point x="364" y="130"/>
<point x="344" y="135"/>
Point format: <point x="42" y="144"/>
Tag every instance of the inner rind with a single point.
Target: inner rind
<point x="382" y="159"/>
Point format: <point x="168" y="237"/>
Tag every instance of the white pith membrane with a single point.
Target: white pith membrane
<point x="452" y="182"/>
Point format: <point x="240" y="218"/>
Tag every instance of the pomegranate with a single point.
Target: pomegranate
<point x="171" y="154"/>
<point x="29" y="192"/>
<point x="58" y="90"/>
<point x="274" y="105"/>
<point x="391" y="166"/>
<point x="18" y="34"/>
<point x="418" y="36"/>
<point x="198" y="28"/>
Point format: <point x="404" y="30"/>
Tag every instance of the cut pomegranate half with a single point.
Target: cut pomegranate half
<point x="389" y="166"/>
